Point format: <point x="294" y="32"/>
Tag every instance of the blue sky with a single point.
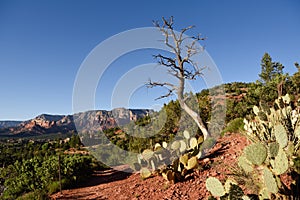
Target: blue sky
<point x="43" y="43"/>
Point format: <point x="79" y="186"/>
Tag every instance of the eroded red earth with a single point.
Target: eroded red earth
<point x="112" y="184"/>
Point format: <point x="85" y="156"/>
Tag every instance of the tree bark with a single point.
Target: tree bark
<point x="194" y="115"/>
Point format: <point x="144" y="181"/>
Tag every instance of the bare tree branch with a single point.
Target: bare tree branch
<point x="170" y="87"/>
<point x="183" y="31"/>
<point x="180" y="66"/>
<point x="170" y="93"/>
<point x="151" y="84"/>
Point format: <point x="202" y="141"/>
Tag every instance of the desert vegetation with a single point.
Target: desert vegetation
<point x="271" y="124"/>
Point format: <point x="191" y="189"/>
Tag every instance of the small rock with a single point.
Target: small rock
<point x="214" y="174"/>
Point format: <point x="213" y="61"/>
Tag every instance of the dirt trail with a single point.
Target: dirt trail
<point x="113" y="184"/>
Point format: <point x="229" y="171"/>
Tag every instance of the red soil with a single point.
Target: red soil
<point x="112" y="184"/>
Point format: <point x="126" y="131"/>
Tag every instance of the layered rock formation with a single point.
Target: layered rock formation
<point x="83" y="122"/>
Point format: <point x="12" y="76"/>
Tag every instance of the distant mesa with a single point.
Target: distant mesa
<point x="95" y="120"/>
<point x="6" y="124"/>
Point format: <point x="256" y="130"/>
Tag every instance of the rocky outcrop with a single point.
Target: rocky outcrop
<point x="100" y="120"/>
<point x="89" y="121"/>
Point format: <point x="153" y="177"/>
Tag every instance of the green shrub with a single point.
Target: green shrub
<point x="234" y="126"/>
<point x="41" y="174"/>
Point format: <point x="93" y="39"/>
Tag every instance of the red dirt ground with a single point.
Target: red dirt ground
<point x="112" y="184"/>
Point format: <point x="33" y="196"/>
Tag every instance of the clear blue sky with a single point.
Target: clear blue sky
<point x="43" y="43"/>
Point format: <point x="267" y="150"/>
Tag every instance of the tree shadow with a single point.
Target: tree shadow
<point x="218" y="150"/>
<point x="102" y="177"/>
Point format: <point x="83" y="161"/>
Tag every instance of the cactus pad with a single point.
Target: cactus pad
<point x="245" y="164"/>
<point x="175" y="145"/>
<point x="145" y="173"/>
<point x="183" y="146"/>
<point x="193" y="142"/>
<point x="264" y="194"/>
<point x="165" y="145"/>
<point x="273" y="149"/>
<point x="256" y="153"/>
<point x="215" y="187"/>
<point x="281" y="163"/>
<point x="281" y="135"/>
<point x="270" y="181"/>
<point x="192" y="163"/>
<point x="186" y="134"/>
<point x="184" y="159"/>
<point x="157" y="147"/>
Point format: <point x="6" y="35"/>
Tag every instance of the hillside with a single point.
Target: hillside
<point x="113" y="184"/>
<point x="91" y="120"/>
<point x="220" y="162"/>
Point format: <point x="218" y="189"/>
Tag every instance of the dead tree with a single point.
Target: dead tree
<point x="180" y="65"/>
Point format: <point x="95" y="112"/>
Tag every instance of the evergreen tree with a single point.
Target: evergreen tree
<point x="269" y="69"/>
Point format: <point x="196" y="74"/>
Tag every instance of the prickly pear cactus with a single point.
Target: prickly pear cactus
<point x="182" y="155"/>
<point x="256" y="110"/>
<point x="184" y="159"/>
<point x="192" y="163"/>
<point x="229" y="191"/>
<point x="273" y="149"/>
<point x="175" y="145"/>
<point x="275" y="136"/>
<point x="145" y="173"/>
<point x="264" y="194"/>
<point x="281" y="135"/>
<point x="186" y="134"/>
<point x="215" y="187"/>
<point x="245" y="164"/>
<point x="281" y="163"/>
<point x="183" y="146"/>
<point x="270" y="181"/>
<point x="256" y="153"/>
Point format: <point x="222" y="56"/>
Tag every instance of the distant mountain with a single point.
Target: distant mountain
<point x="85" y="122"/>
<point x="6" y="124"/>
